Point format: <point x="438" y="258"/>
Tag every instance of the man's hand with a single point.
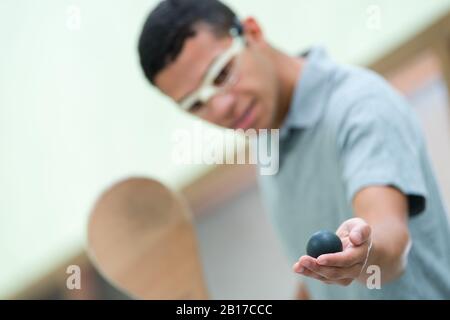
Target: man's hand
<point x="382" y="220"/>
<point x="344" y="267"/>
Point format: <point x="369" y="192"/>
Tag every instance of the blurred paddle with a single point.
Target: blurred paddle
<point x="142" y="239"/>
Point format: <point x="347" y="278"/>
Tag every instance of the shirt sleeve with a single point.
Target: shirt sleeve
<point x="380" y="144"/>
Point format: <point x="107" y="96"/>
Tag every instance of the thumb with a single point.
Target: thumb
<point x="359" y="234"/>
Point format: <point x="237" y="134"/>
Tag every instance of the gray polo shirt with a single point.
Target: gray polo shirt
<point x="347" y="129"/>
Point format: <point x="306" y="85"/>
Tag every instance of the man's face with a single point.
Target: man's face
<point x="249" y="102"/>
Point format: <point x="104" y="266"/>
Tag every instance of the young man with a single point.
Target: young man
<point x="352" y="157"/>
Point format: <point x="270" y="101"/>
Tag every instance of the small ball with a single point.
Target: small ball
<point x="323" y="242"/>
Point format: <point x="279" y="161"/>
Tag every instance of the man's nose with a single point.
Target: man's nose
<point x="222" y="105"/>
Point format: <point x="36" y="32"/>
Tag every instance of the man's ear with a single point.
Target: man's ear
<point x="252" y="30"/>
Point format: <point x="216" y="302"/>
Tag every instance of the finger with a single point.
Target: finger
<point x="329" y="273"/>
<point x="343" y="231"/>
<point x="309" y="273"/>
<point x="347" y="226"/>
<point x="347" y="258"/>
<point x="360" y="234"/>
<point x="297" y="267"/>
<point x="305" y="264"/>
<point x="306" y="261"/>
<point x="336" y="273"/>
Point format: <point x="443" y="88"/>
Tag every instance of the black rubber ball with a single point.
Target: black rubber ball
<point x="323" y="242"/>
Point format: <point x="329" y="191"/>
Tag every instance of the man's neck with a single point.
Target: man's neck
<point x="289" y="73"/>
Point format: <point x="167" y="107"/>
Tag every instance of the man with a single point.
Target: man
<point x="351" y="155"/>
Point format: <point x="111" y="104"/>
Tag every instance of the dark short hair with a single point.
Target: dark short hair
<point x="171" y="23"/>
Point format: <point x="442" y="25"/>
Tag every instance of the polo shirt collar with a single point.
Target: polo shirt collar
<point x="310" y="92"/>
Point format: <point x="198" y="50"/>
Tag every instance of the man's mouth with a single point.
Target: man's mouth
<point x="247" y="118"/>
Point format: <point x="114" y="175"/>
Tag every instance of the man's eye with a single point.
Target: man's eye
<point x="196" y="106"/>
<point x="220" y="79"/>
